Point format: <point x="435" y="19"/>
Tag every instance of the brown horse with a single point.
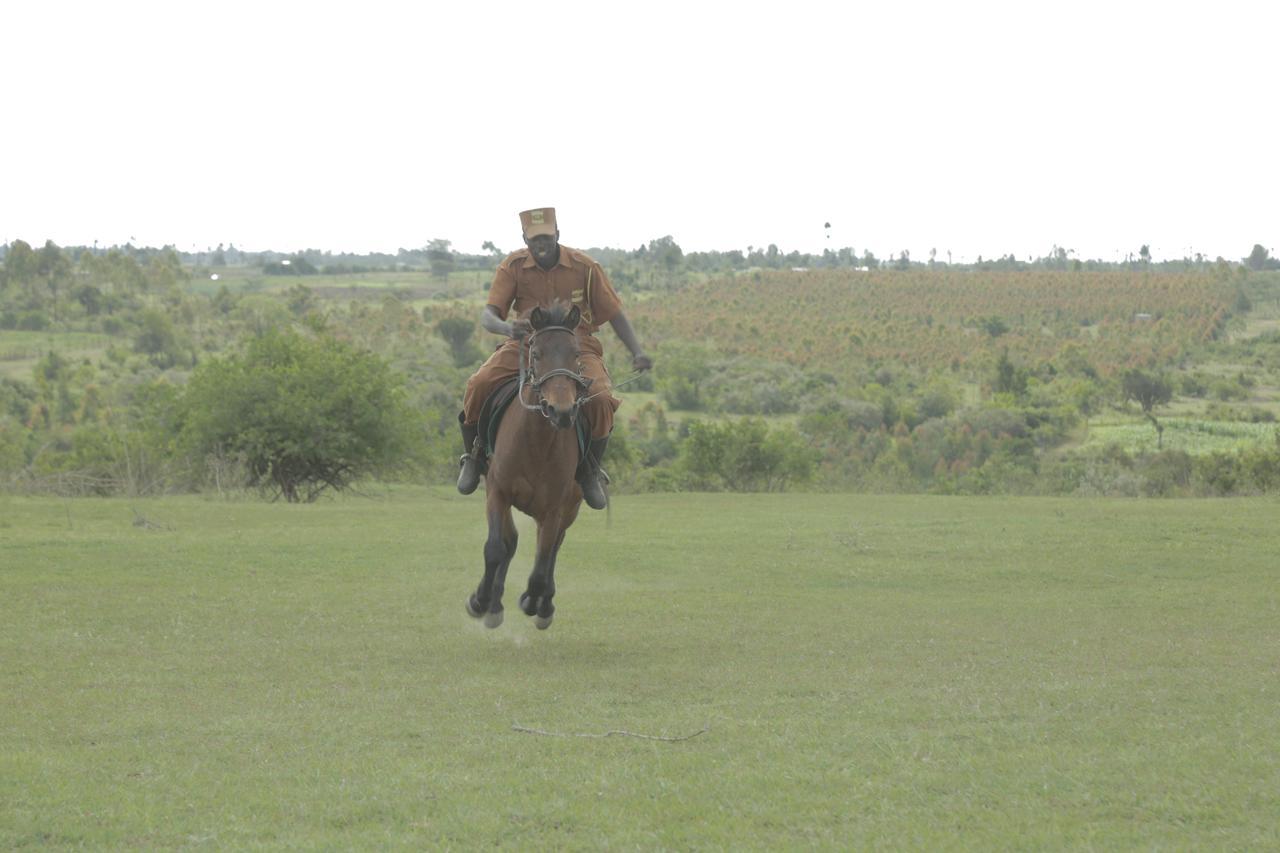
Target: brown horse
<point x="532" y="467"/>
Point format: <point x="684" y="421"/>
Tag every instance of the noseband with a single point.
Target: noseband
<point x="531" y="380"/>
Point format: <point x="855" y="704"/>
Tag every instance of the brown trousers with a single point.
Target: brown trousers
<point x="505" y="363"/>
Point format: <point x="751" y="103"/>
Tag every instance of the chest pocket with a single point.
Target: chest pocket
<point x="582" y="298"/>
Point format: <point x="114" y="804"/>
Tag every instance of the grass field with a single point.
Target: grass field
<point x="21" y="350"/>
<point x="473" y="283"/>
<point x="893" y="672"/>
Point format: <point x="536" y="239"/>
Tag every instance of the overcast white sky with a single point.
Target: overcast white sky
<point x="979" y="128"/>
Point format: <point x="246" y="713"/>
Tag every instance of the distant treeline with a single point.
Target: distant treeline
<point x="119" y="376"/>
<point x="661" y="263"/>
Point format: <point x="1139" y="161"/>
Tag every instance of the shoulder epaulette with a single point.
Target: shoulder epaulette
<point x="517" y="255"/>
<point x="581" y="257"/>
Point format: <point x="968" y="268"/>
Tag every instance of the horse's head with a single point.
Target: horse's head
<point x="554" y="369"/>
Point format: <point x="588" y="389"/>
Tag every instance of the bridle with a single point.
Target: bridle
<point x="529" y="379"/>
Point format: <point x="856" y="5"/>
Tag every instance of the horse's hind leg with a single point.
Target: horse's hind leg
<point x="500" y="546"/>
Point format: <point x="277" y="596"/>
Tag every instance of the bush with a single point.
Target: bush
<point x="747" y="456"/>
<point x="304" y="414"/>
<point x="458" y="332"/>
<point x="13" y="440"/>
<point x="159" y="341"/>
<point x="684" y="372"/>
<point x="997" y="422"/>
<point x="1228" y="390"/>
<point x="937" y="402"/>
<point x="33" y="321"/>
<point x="1166" y="474"/>
<point x="1218" y="473"/>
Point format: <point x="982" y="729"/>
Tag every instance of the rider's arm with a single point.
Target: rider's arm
<point x="491" y="322"/>
<point x="622" y="326"/>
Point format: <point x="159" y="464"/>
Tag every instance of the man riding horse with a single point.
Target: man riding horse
<point x="532" y="277"/>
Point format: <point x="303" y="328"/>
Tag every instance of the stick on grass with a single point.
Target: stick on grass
<point x="613" y="733"/>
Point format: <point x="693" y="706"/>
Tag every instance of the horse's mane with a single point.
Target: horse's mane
<point x="556" y="314"/>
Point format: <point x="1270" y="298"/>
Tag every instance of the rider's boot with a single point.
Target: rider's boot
<point x="472" y="462"/>
<point x="591" y="477"/>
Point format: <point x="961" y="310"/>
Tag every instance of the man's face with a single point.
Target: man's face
<point x="543" y="247"/>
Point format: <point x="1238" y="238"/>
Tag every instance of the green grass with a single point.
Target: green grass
<point x="21" y="350"/>
<point x="253" y="280"/>
<point x="893" y="672"/>
<point x="1196" y="437"/>
<point x="19" y="344"/>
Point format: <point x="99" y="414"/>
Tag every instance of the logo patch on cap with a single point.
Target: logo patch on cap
<point x="535" y="217"/>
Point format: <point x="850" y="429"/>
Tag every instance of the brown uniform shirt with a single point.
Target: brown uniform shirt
<point x="520" y="284"/>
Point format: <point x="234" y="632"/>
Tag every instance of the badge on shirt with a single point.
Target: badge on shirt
<point x="579" y="298"/>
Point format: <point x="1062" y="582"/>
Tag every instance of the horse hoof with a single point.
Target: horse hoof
<point x="472" y="610"/>
<point x="542" y="623"/>
<point x="493" y="620"/>
<point x="528" y="605"/>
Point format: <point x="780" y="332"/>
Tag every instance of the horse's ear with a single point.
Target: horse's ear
<point x="537" y="317"/>
<point x="571" y="319"/>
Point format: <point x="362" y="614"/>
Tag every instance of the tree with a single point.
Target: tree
<point x="440" y="256"/>
<point x="159" y="340"/>
<point x="666" y="252"/>
<point x="994" y="326"/>
<point x="1010" y="379"/>
<point x="1259" y="258"/>
<point x="19" y="264"/>
<point x="304" y="414"/>
<point x="55" y="270"/>
<point x="457" y="333"/>
<point x="1149" y="391"/>
<point x="1145" y="253"/>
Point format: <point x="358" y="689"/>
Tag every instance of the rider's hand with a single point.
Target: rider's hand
<point x="520" y="327"/>
<point x="641" y="362"/>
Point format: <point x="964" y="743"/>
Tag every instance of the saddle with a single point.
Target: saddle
<point x="496" y="405"/>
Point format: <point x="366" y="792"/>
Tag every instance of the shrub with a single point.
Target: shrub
<point x="1228" y="389"/>
<point x="1166" y="474"/>
<point x="13" y="439"/>
<point x="937" y="402"/>
<point x="33" y="321"/>
<point x="684" y="372"/>
<point x="747" y="456"/>
<point x="159" y="341"/>
<point x="458" y="332"/>
<point x="305" y="414"/>
<point x="1218" y="473"/>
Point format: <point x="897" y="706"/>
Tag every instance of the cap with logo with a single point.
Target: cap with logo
<point x="540" y="220"/>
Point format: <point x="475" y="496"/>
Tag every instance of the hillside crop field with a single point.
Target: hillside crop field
<point x="946" y="320"/>
<point x="1189" y="436"/>
<point x="834" y="671"/>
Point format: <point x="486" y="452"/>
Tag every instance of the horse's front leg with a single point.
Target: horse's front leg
<point x="537" y="599"/>
<point x="499" y="548"/>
